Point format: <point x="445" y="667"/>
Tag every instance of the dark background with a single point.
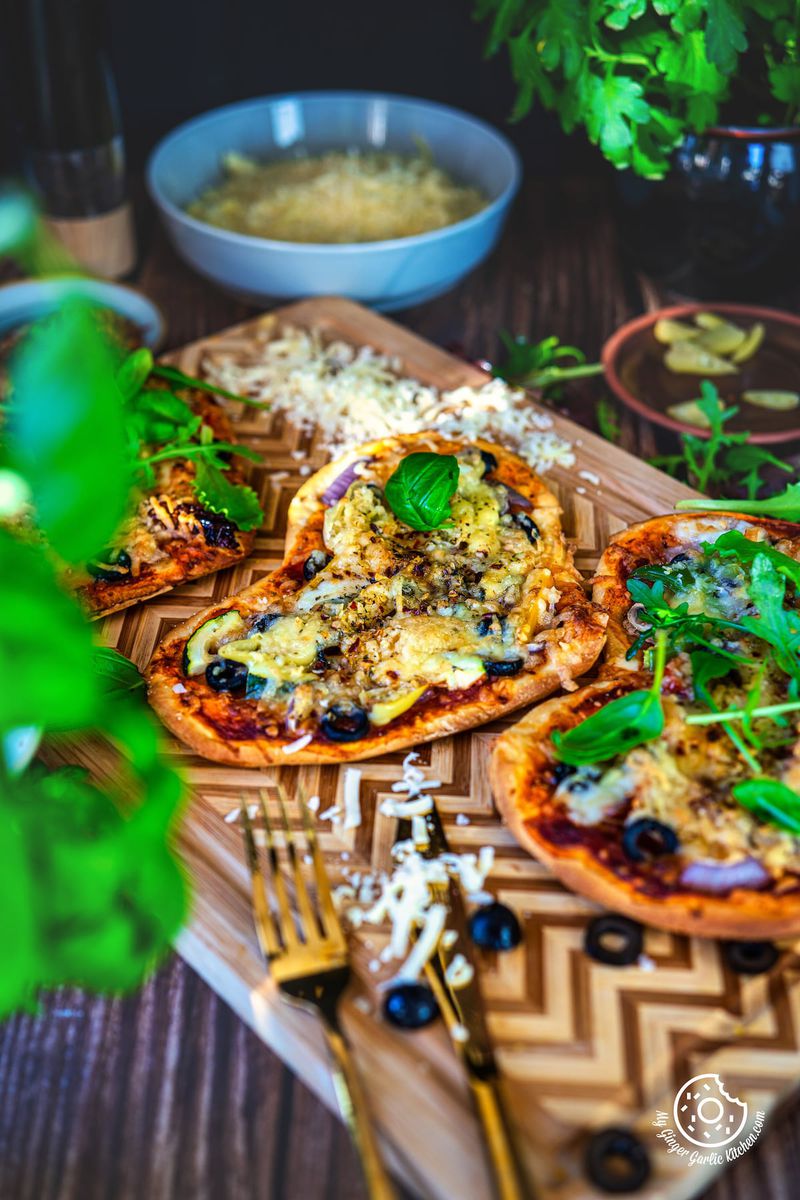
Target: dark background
<point x="175" y="58"/>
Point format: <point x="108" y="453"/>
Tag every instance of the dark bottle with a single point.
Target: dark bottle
<point x="65" y="103"/>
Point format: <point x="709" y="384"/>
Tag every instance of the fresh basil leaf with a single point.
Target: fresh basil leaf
<point x="238" y="502"/>
<point x="419" y="491"/>
<point x="133" y="373"/>
<point x="118" y="674"/>
<point x="771" y="800"/>
<point x="614" y="729"/>
<point x="65" y="417"/>
<point x="164" y="371"/>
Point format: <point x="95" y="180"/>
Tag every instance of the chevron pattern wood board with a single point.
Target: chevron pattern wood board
<point x="582" y="1046"/>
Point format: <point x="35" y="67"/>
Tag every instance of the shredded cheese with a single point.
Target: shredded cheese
<point x="352" y="799"/>
<point x="351" y="395"/>
<point x="299" y="744"/>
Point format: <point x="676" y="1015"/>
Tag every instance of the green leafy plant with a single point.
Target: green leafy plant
<point x="419" y="490"/>
<point x="723" y="457"/>
<point x="639" y="75"/>
<point x="91" y="893"/>
<point x="538" y="364"/>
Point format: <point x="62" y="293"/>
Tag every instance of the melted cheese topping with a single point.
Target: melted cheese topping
<point x="396" y="611"/>
<point x="684" y="778"/>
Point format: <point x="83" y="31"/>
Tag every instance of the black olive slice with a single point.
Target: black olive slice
<point x="224" y="675"/>
<point x="530" y="527"/>
<point x="495" y="927"/>
<point x="262" y="623"/>
<point x="218" y="530"/>
<point x="561" y="771"/>
<point x="648" y="838"/>
<point x="315" y="562"/>
<point x="502" y="666"/>
<point x="490" y="623"/>
<point x="616" y="1160"/>
<point x="112" y="565"/>
<point x="489" y="462"/>
<point x="750" y="958"/>
<point x="342" y="724"/>
<point x="614" y="940"/>
<point x="410" y="1006"/>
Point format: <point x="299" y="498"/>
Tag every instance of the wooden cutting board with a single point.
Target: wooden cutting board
<point x="581" y="1045"/>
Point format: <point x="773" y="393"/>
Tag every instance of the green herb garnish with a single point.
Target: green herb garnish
<point x="173" y="375"/>
<point x="619" y="726"/>
<point x="783" y="507"/>
<point x="770" y="800"/>
<point x="723" y="458"/>
<point x="537" y="364"/>
<point x="734" y="544"/>
<point x="419" y="491"/>
<point x="156" y="417"/>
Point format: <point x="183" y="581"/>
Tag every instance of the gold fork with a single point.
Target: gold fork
<point x="310" y="965"/>
<point x="463" y="1013"/>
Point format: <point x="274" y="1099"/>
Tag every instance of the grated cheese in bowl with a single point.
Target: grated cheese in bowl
<point x="352" y="395"/>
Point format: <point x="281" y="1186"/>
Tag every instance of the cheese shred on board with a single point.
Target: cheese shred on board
<point x="352" y="395"/>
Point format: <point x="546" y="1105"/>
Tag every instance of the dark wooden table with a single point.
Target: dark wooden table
<point x="166" y="1095"/>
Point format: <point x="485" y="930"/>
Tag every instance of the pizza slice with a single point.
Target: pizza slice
<point x="669" y="788"/>
<point x="426" y="588"/>
<point x="192" y="512"/>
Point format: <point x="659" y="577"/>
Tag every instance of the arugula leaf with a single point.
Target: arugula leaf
<point x="775" y="624"/>
<point x="65" y="415"/>
<point x="164" y="371"/>
<point x="536" y="364"/>
<point x="420" y="489"/>
<point x="734" y="544"/>
<point x="134" y="371"/>
<point x="608" y="420"/>
<point x="771" y="800"/>
<point x="618" y="726"/>
<point x="784" y="507"/>
<point x="748" y="461"/>
<point x="238" y="502"/>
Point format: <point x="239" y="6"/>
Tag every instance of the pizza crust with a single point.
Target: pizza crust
<point x="207" y="722"/>
<point x="523" y="754"/>
<point x="184" y="559"/>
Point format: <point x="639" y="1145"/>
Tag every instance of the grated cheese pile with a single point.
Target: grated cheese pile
<point x="356" y="395"/>
<point x="403" y="897"/>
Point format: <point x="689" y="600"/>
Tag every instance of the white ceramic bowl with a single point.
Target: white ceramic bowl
<point x="30" y="299"/>
<point x="387" y="274"/>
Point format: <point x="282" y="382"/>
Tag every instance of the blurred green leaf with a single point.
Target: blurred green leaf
<point x="65" y="433"/>
<point x="45" y="645"/>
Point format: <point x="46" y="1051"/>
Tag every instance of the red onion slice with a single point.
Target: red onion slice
<point x="334" y="491"/>
<point x="516" y="499"/>
<point x="719" y="878"/>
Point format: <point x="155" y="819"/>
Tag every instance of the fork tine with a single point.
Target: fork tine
<point x="285" y="920"/>
<point x="308" y="919"/>
<point x="329" y="915"/>
<point x="265" y="925"/>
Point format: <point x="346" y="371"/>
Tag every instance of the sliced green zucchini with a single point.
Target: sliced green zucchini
<point x="202" y="646"/>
